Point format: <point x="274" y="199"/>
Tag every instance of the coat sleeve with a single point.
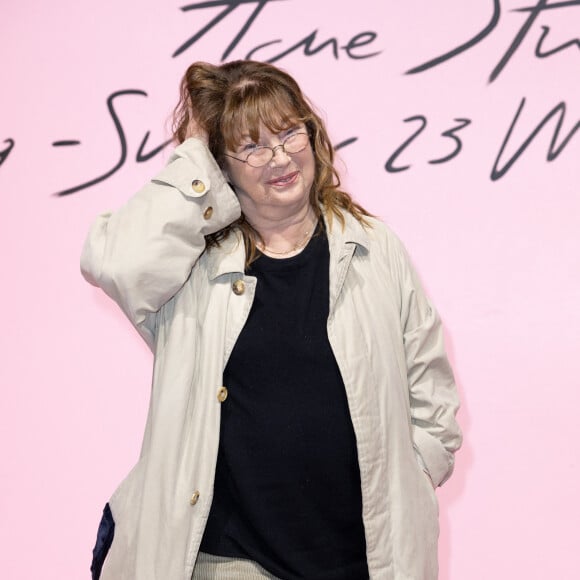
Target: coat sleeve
<point x="142" y="254"/>
<point x="432" y="392"/>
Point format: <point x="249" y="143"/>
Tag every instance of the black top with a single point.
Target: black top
<point x="287" y="488"/>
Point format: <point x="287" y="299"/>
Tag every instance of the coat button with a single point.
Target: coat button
<point x="222" y="394"/>
<point x="239" y="287"/>
<point x="208" y="212"/>
<point x="194" y="498"/>
<point x="198" y="186"/>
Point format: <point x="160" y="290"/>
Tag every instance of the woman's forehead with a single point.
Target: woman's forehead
<point x="254" y="128"/>
<point x="263" y="130"/>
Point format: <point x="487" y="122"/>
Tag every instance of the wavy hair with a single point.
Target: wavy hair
<point x="242" y="96"/>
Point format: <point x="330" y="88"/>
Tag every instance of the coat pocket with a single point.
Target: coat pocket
<point x="105" y="535"/>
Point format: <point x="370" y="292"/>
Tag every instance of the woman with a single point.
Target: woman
<point x="303" y="408"/>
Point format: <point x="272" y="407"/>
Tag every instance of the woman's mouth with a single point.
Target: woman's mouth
<point x="284" y="179"/>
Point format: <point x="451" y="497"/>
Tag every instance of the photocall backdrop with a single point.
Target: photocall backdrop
<point x="455" y="121"/>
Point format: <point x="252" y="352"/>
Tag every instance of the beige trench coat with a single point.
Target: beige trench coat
<point x="190" y="305"/>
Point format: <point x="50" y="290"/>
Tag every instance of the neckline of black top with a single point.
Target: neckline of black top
<point x="267" y="263"/>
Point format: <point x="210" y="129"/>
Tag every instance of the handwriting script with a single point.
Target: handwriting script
<point x="140" y="157"/>
<point x="500" y="167"/>
<point x="6" y="151"/>
<point x="534" y="12"/>
<point x="352" y="48"/>
<point x="554" y="149"/>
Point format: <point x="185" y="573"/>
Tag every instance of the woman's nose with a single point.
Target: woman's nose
<point x="279" y="155"/>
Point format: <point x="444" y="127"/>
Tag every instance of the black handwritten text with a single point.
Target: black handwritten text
<point x="141" y="154"/>
<point x="354" y="48"/>
<point x="534" y="12"/>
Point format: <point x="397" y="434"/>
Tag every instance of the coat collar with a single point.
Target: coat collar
<point x="341" y="236"/>
<point x="230" y="256"/>
<point x="227" y="258"/>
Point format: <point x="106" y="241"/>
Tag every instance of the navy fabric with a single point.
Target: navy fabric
<point x="105" y="535"/>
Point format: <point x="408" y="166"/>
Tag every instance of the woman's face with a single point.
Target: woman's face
<point x="278" y="188"/>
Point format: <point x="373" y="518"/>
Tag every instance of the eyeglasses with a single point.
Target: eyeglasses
<point x="262" y="154"/>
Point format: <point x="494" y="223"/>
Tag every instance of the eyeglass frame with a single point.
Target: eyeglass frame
<point x="273" y="150"/>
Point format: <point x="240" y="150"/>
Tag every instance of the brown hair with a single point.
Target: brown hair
<point x="243" y="95"/>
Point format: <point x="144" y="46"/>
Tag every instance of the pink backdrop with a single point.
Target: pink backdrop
<point x="499" y="252"/>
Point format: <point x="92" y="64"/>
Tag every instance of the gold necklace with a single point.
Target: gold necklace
<point x="294" y="248"/>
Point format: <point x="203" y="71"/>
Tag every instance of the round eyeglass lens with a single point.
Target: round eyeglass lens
<point x="296" y="143"/>
<point x="293" y="144"/>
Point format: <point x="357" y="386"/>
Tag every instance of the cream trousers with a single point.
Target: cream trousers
<point x="209" y="567"/>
